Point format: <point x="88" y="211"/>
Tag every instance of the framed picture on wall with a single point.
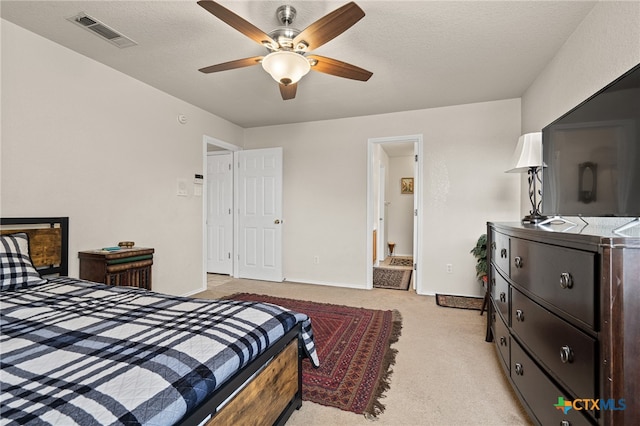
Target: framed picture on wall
<point x="406" y="185"/>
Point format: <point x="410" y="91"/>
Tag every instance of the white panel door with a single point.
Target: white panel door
<point x="219" y="213"/>
<point x="382" y="220"/>
<point x="259" y="201"/>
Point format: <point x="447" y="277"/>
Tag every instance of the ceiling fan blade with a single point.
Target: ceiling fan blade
<point x="289" y="91"/>
<point x="328" y="27"/>
<point x="238" y="63"/>
<point x="339" y="68"/>
<point x="240" y="24"/>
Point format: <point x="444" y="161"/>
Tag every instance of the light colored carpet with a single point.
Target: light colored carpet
<point x="445" y="373"/>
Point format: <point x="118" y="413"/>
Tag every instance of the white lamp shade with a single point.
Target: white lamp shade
<point x="286" y="67"/>
<point x="528" y="153"/>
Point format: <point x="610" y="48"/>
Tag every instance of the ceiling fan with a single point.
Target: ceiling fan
<point x="288" y="60"/>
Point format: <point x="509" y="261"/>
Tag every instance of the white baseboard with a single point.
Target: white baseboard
<point x="191" y="293"/>
<point x="327" y="283"/>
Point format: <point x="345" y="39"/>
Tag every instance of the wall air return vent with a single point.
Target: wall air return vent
<point x="109" y="34"/>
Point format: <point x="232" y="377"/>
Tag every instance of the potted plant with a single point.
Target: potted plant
<point x="480" y="253"/>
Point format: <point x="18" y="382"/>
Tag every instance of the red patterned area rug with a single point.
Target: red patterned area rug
<point x="354" y="347"/>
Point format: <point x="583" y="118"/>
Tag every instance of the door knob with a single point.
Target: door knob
<point x="277" y="221"/>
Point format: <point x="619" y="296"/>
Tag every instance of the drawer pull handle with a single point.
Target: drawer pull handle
<point x="519" y="315"/>
<point x="565" y="423"/>
<point x="566" y="354"/>
<point x="503" y="253"/>
<point x="503" y="297"/>
<point x="519" y="369"/>
<point x="503" y="341"/>
<point x="518" y="261"/>
<point x="566" y="280"/>
<point x="493" y="245"/>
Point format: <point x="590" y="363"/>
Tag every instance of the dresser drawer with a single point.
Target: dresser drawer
<point x="500" y="251"/>
<point x="502" y="339"/>
<point x="500" y="293"/>
<point x="565" y="350"/>
<point x="563" y="277"/>
<point x="539" y="392"/>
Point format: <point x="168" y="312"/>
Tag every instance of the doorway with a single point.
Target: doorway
<point x="384" y="178"/>
<point x="215" y="147"/>
<point x="254" y="210"/>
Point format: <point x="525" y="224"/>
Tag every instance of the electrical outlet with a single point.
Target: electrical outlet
<point x="316" y="260"/>
<point x="449" y="268"/>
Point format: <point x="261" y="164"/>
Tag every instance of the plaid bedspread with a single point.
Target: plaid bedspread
<point x="81" y="353"/>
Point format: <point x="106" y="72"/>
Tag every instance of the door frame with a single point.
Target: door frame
<point x="417" y="141"/>
<point x="225" y="146"/>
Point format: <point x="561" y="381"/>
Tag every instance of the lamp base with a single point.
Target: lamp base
<point x="533" y="219"/>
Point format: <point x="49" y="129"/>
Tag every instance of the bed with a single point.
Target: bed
<point x="77" y="352"/>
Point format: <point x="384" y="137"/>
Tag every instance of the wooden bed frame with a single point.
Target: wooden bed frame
<point x="265" y="392"/>
<point x="48" y="241"/>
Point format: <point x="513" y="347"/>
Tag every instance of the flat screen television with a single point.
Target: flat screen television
<point x="591" y="155"/>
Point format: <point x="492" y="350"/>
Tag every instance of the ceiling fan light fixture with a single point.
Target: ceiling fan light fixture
<point x="286" y="67"/>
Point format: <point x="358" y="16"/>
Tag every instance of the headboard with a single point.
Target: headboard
<point x="48" y="241"/>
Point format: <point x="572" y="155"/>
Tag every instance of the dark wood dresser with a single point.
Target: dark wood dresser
<point x="124" y="267"/>
<point x="565" y="319"/>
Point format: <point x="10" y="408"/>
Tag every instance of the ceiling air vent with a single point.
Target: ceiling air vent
<point x="109" y="34"/>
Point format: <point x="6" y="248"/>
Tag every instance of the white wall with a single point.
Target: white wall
<point x="80" y="139"/>
<point x="400" y="208"/>
<point x="604" y="46"/>
<point x="466" y="150"/>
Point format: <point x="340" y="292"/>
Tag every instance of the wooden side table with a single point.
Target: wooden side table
<point x="124" y="267"/>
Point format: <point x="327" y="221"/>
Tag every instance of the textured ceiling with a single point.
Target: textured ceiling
<point x="423" y="54"/>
